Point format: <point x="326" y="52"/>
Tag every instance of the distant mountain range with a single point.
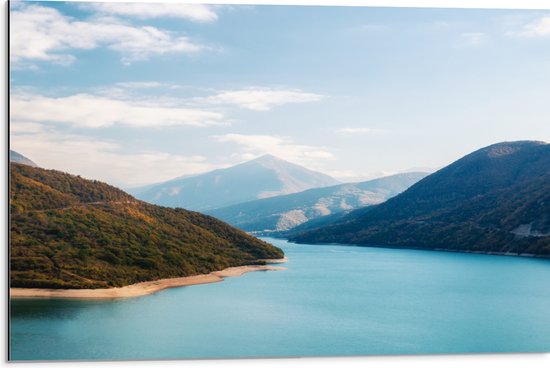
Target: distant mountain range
<point x="268" y="215"/>
<point x="264" y="177"/>
<point x="496" y="199"/>
<point x="20" y="159"/>
<point x="69" y="232"/>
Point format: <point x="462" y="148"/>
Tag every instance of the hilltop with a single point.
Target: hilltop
<point x="69" y="232"/>
<point x="264" y="177"/>
<point x="496" y="199"/>
<point x="20" y="159"/>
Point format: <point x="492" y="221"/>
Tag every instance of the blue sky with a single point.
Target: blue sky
<point x="138" y="93"/>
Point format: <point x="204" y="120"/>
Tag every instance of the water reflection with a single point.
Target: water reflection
<point x="51" y="308"/>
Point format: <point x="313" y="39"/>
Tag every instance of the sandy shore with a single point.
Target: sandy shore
<point x="278" y="260"/>
<point x="142" y="288"/>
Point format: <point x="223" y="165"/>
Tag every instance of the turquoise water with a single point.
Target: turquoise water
<point x="332" y="301"/>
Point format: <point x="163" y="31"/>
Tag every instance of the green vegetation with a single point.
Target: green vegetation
<point x="69" y="232"/>
<point x="479" y="203"/>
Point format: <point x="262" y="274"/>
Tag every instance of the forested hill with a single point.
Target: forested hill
<point x="69" y="232"/>
<point x="496" y="199"/>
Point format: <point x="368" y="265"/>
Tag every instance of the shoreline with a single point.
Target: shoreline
<point x="146" y="287"/>
<point x="488" y="253"/>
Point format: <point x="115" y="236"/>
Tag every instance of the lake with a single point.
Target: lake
<point x="331" y="301"/>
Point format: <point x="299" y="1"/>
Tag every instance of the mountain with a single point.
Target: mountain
<point x="287" y="211"/>
<point x="496" y="199"/>
<point x="136" y="191"/>
<point x="69" y="232"/>
<point x="266" y="176"/>
<point x="20" y="159"/>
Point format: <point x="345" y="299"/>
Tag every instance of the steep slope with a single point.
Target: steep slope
<point x="266" y="176"/>
<point x="20" y="159"/>
<point x="496" y="199"/>
<point x="69" y="232"/>
<point x="285" y="212"/>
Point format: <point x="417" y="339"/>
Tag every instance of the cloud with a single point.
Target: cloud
<point x="23" y="127"/>
<point x="95" y="111"/>
<point x="131" y="104"/>
<point x="40" y="33"/>
<point x="262" y="99"/>
<point x="193" y="12"/>
<point x="474" y="38"/>
<point x="145" y="85"/>
<point x="88" y="156"/>
<point x="255" y="145"/>
<point x="537" y="28"/>
<point x="361" y="131"/>
<point x="256" y="99"/>
<point x="140" y="91"/>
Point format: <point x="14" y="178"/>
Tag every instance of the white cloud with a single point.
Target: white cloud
<point x="256" y="145"/>
<point x="257" y="98"/>
<point x="537" y="28"/>
<point x="143" y="85"/>
<point x="138" y="91"/>
<point x="87" y="156"/>
<point x="44" y="34"/>
<point x="361" y="131"/>
<point x="95" y="111"/>
<point x="193" y="12"/>
<point x="474" y="38"/>
<point x="262" y="99"/>
<point x="22" y="127"/>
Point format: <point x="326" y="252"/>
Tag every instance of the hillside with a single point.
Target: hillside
<point x="266" y="176"/>
<point x="282" y="213"/>
<point x="496" y="199"/>
<point x="69" y="232"/>
<point x="20" y="159"/>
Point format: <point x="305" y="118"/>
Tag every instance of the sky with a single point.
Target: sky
<point x="133" y="94"/>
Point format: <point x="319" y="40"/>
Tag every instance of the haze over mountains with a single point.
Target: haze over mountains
<point x="287" y="211"/>
<point x="496" y="199"/>
<point x="20" y="159"/>
<point x="266" y="176"/>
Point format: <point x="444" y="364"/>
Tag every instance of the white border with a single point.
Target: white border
<point x="442" y="361"/>
<point x="477" y="4"/>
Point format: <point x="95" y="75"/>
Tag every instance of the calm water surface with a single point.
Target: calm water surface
<point x="332" y="300"/>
